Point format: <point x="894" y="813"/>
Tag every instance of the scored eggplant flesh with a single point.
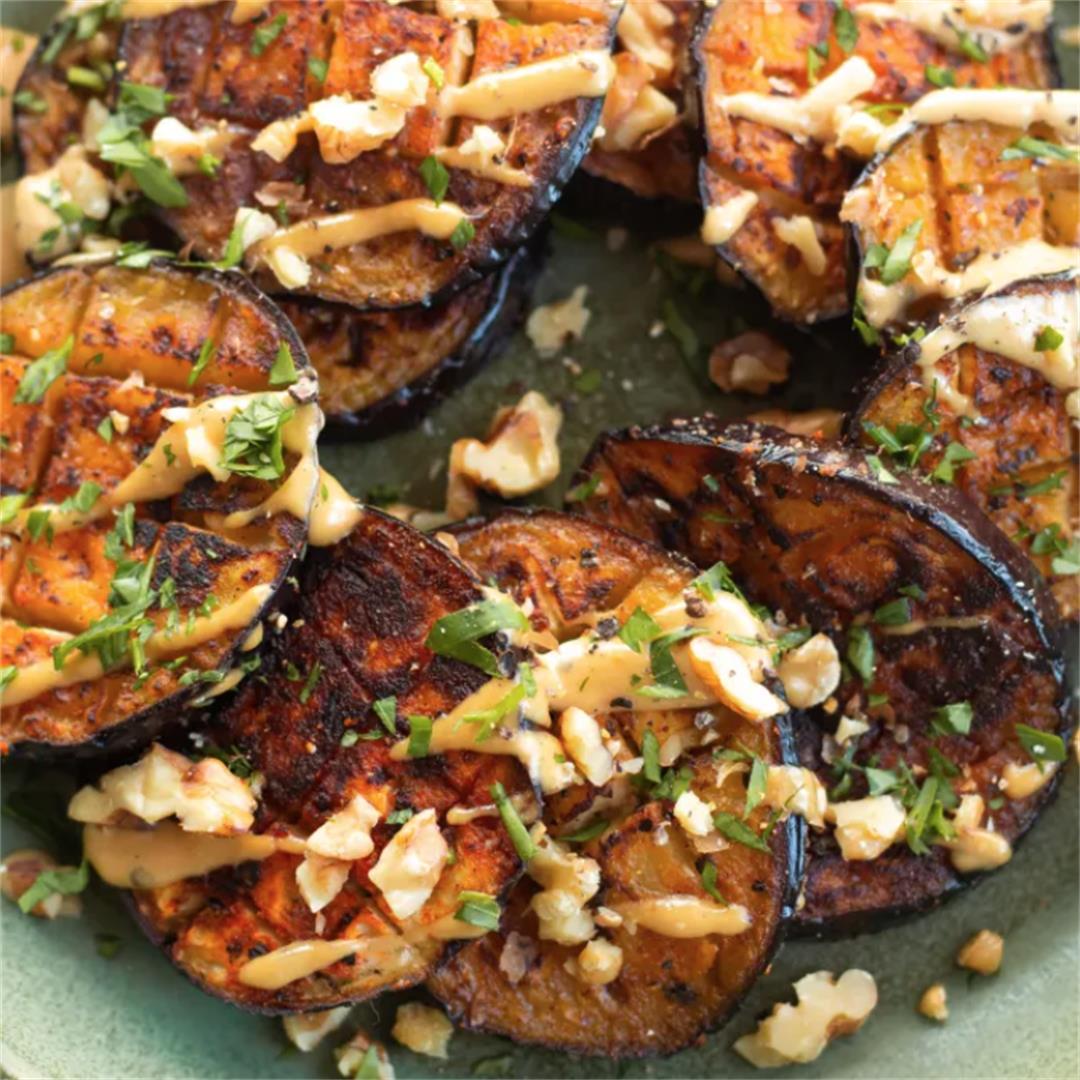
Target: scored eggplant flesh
<point x="743" y="46"/>
<point x="380" y="372"/>
<point x="809" y="530"/>
<point x="670" y="989"/>
<point x="648" y="145"/>
<point x="207" y="63"/>
<point x="1017" y="439"/>
<point x="365" y="608"/>
<point x="975" y="203"/>
<point x="136" y="342"/>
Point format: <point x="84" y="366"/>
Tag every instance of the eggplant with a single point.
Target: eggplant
<point x="651" y="156"/>
<point x="1008" y="441"/>
<point x="310" y="730"/>
<point x="744" y="46"/>
<point x="670" y="989"/>
<point x="963" y="197"/>
<point x="221" y="71"/>
<point x="951" y="639"/>
<point x="125" y="345"/>
<point x="380" y="372"/>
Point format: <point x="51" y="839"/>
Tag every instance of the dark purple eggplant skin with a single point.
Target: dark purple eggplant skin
<point x="170" y="715"/>
<point x="931" y="880"/>
<point x="407" y="406"/>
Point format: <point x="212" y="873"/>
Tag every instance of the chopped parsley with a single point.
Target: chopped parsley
<point x="434" y="72"/>
<point x="860" y="652"/>
<point x="716" y="579"/>
<point x="650" y="755"/>
<point x="939" y="76"/>
<point x="67" y="882"/>
<point x="893" y="264"/>
<point x="462" y="235"/>
<point x="105" y="429"/>
<point x="881" y="474"/>
<point x="318" y="69"/>
<point x="266" y="35"/>
<point x="436" y="178"/>
<point x="31" y="102"/>
<point x="253" y="439"/>
<point x="1041" y="746"/>
<point x="894" y="613"/>
<point x="205" y="355"/>
<point x="419" y="735"/>
<point x="755" y="785"/>
<point x="42" y="373"/>
<point x="7" y="343"/>
<point x="955" y="454"/>
<point x="1048" y="339"/>
<point x="386" y="710"/>
<point x="82" y="502"/>
<point x="954" y="719"/>
<point x="478" y="909"/>
<point x="10" y="505"/>
<point x="399" y="817"/>
<point x="86" y="78"/>
<point x="487" y="719"/>
<point x="585" y="490"/>
<point x="586" y="832"/>
<point x="816" y="56"/>
<point x="845" y="27"/>
<point x="970" y="46"/>
<point x="639" y="629"/>
<point x="283" y="370"/>
<point x="515" y="827"/>
<point x="736" y="829"/>
<point x="1039" y="149"/>
<point x="456" y="635"/>
<point x="310" y="682"/>
<point x="708" y="881"/>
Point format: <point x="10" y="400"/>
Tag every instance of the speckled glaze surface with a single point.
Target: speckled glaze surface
<point x="66" y="1011"/>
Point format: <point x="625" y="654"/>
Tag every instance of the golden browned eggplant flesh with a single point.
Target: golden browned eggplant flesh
<point x="987" y="402"/>
<point x="953" y="208"/>
<point x="157" y="474"/>
<point x="391" y="154"/>
<point x="942" y="743"/>
<point x="638" y="987"/>
<point x="775" y="171"/>
<point x="341" y="685"/>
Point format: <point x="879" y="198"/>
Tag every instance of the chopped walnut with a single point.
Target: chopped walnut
<point x="982" y="953"/>
<point x="934" y="1003"/>
<point x="751" y="363"/>
<point x="423" y="1030"/>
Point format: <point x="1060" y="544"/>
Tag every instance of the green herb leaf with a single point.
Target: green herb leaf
<point x="86" y="78"/>
<point x="708" y="881"/>
<point x="898" y="261"/>
<point x="386" y="710"/>
<point x="916" y="592"/>
<point x="882" y="781"/>
<point x="939" y="76"/>
<point x="845" y="28"/>
<point x="881" y="474"/>
<point x="478" y="909"/>
<point x="108" y="945"/>
<point x="283" y="370"/>
<point x="266" y="35"/>
<point x="1041" y="746"/>
<point x="105" y="429"/>
<point x="436" y="177"/>
<point x="204" y="357"/>
<point x="515" y="827"/>
<point x="970" y="47"/>
<point x="860" y="652"/>
<point x="82" y="502"/>
<point x="10" y="505"/>
<point x="487" y="719"/>
<point x="1029" y="147"/>
<point x="755" y="786"/>
<point x="639" y="629"/>
<point x="67" y="882"/>
<point x="954" y="719"/>
<point x="419" y="735"/>
<point x="350" y="737"/>
<point x="585" y="490"/>
<point x="955" y="454"/>
<point x="716" y="579"/>
<point x="868" y="333"/>
<point x="586" y="832"/>
<point x="31" y="102"/>
<point x="399" y="817"/>
<point x="792" y="639"/>
<point x="456" y="635"/>
<point x="318" y="69"/>
<point x="816" y="55"/>
<point x="434" y="72"/>
<point x="1048" y="339"/>
<point x="253" y="439"/>
<point x="42" y="373"/>
<point x="894" y="613"/>
<point x="462" y="235"/>
<point x="650" y="754"/>
<point x="735" y="829"/>
<point x="7" y="343"/>
<point x="310" y="682"/>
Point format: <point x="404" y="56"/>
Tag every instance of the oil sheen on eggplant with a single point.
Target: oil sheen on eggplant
<point x="136" y="337"/>
<point x="810" y="530"/>
<point x="744" y="45"/>
<point x="1024" y="442"/>
<point x="380" y="372"/>
<point x="670" y="990"/>
<point x="206" y="62"/>
<point x="364" y="609"/>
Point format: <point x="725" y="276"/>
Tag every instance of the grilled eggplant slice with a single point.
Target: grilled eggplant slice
<point x="647" y="145"/>
<point x="382" y="371"/>
<point x="745" y="46"/>
<point x="951" y="208"/>
<point x="669" y="989"/>
<point x="993" y="421"/>
<point x="310" y="730"/>
<point x="101" y="534"/>
<point x="948" y="633"/>
<point x="219" y="72"/>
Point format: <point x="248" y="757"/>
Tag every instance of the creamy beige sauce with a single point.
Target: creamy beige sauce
<point x="42" y="676"/>
<point x="799" y="232"/>
<point x="1059" y="109"/>
<point x="1009" y="326"/>
<point x="322" y="234"/>
<point x="995" y="24"/>
<point x="335" y="513"/>
<point x="644" y="28"/>
<point x="489" y="168"/>
<point x="501" y="94"/>
<point x="944" y="622"/>
<point x="13" y="264"/>
<point x="685" y="916"/>
<point x="883" y="304"/>
<point x="725" y="219"/>
<point x="165" y="854"/>
<point x="298" y="959"/>
<point x="813" y="115"/>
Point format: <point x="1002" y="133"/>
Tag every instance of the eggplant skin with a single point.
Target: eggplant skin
<point x="363" y="610"/>
<point x="808" y="529"/>
<point x="1025" y="436"/>
<point x="791" y="178"/>
<point x="952" y="178"/>
<point x="670" y="991"/>
<point x="206" y="62"/>
<point x="382" y="372"/>
<point x="152" y="321"/>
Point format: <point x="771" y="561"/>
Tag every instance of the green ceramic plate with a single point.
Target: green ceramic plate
<point x="68" y="1011"/>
